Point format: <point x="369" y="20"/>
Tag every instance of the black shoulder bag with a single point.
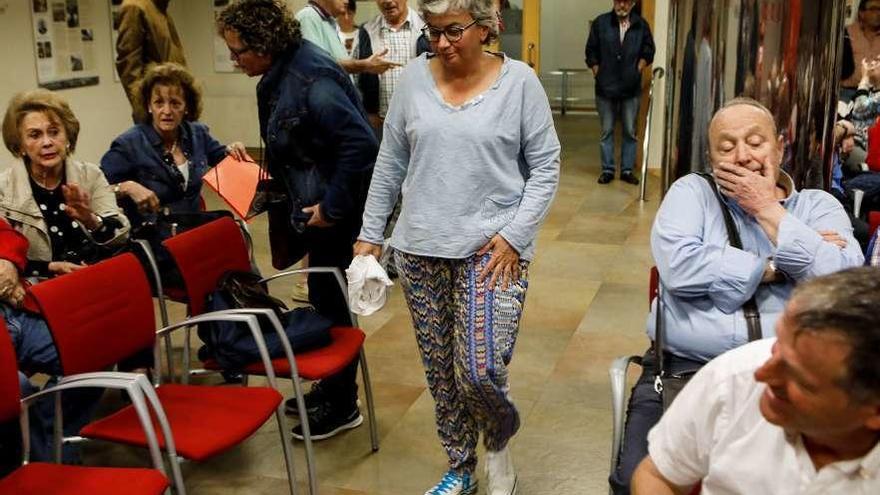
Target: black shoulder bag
<point x="668" y="385"/>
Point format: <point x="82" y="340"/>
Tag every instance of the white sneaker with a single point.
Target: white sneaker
<point x="500" y="473"/>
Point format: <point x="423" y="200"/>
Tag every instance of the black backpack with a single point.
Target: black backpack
<point x="232" y="345"/>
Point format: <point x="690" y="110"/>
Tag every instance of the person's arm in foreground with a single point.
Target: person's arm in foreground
<point x="647" y="480"/>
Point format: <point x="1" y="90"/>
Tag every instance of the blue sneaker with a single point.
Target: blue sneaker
<point x="453" y="483"/>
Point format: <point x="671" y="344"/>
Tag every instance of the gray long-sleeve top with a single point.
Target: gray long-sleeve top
<point x="490" y="166"/>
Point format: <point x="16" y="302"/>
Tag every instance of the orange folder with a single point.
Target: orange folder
<point x="236" y="182"/>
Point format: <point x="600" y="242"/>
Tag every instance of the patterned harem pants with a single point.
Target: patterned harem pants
<point x="466" y="333"/>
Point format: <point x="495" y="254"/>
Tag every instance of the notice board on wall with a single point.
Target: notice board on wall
<point x="64" y="43"/>
<point x="222" y="62"/>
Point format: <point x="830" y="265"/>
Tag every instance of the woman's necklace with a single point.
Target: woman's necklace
<point x="173" y="147"/>
<point x="47" y="179"/>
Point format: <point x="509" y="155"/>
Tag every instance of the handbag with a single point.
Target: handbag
<point x="286" y="243"/>
<point x="667" y="384"/>
<point x="287" y="221"/>
<point x="233" y="345"/>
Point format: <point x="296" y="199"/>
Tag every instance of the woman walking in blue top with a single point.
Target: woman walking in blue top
<point x="469" y="141"/>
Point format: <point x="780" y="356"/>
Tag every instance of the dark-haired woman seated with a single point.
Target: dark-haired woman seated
<point x="160" y="162"/>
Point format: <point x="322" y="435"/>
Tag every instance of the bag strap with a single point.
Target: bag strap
<point x="659" y="337"/>
<point x="750" y="308"/>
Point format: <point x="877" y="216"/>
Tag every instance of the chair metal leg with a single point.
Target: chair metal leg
<point x="58" y="429"/>
<point x="617" y="373"/>
<point x="307" y="434"/>
<point x="368" y="391"/>
<point x="285" y="447"/>
<point x="184" y="374"/>
<point x="163" y="306"/>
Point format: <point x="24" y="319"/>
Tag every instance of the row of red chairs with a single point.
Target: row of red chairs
<point x="104" y="313"/>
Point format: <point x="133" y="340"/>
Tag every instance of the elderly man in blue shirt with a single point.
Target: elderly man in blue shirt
<point x="787" y="236"/>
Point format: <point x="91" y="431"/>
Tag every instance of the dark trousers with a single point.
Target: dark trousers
<point x="333" y="247"/>
<point x="643" y="412"/>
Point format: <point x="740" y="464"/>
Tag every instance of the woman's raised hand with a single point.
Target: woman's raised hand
<point x="78" y="206"/>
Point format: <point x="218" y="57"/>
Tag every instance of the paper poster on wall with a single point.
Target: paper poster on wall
<point x="115" y="8"/>
<point x="64" y="43"/>
<point x="222" y="62"/>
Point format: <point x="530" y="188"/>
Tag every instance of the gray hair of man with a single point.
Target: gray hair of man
<point x="846" y="303"/>
<point x="750" y="102"/>
<point x="483" y="11"/>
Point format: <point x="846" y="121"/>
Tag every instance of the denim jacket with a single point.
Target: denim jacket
<point x="318" y="139"/>
<point x="137" y="155"/>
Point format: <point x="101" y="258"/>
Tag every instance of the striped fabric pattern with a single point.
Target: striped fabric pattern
<point x="466" y="333"/>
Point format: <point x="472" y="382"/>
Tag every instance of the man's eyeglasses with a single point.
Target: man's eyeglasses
<point x="236" y="53"/>
<point x="453" y="33"/>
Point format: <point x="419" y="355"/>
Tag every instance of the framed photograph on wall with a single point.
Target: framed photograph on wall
<point x="64" y="43"/>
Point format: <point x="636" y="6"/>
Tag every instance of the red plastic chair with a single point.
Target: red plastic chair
<point x="56" y="479"/>
<point x="104" y="313"/>
<point x="201" y="268"/>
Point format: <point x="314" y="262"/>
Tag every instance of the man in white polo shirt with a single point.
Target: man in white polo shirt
<point x="796" y="414"/>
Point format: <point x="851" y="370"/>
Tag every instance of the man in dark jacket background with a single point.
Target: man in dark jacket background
<point x="146" y="36"/>
<point x="620" y="45"/>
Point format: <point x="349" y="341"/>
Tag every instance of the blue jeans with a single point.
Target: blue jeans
<point x="610" y="112"/>
<point x="36" y="353"/>
<point x="643" y="412"/>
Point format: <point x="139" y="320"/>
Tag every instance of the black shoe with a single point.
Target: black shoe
<point x="628" y="177"/>
<point x="605" y="178"/>
<point x="326" y="422"/>
<point x="313" y="399"/>
<point x="232" y="377"/>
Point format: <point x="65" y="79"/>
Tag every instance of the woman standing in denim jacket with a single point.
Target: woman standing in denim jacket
<point x="320" y="151"/>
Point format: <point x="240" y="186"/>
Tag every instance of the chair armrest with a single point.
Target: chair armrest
<point x="858" y="197"/>
<point x="617" y="373"/>
<point x="248" y="319"/>
<point x="134" y="384"/>
<point x="336" y="272"/>
<point x="279" y="329"/>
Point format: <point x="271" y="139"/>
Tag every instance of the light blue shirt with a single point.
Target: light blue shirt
<point x="321" y="30"/>
<point x="490" y="166"/>
<point x="706" y="281"/>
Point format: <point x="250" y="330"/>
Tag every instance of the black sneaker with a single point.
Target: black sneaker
<point x="313" y="399"/>
<point x="629" y="178"/>
<point x="605" y="177"/>
<point x="325" y="422"/>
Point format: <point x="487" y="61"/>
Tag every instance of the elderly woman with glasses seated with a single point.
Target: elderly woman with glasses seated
<point x="160" y="162"/>
<point x="64" y="207"/>
<point x="470" y="137"/>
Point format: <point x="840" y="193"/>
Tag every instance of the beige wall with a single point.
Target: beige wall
<point x="230" y="99"/>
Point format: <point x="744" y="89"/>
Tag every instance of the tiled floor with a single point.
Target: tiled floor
<point x="586" y="305"/>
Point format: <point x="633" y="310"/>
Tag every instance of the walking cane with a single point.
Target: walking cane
<point x="655" y="75"/>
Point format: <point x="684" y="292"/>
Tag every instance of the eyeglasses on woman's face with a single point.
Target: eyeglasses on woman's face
<point x="453" y="32"/>
<point x="236" y="53"/>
